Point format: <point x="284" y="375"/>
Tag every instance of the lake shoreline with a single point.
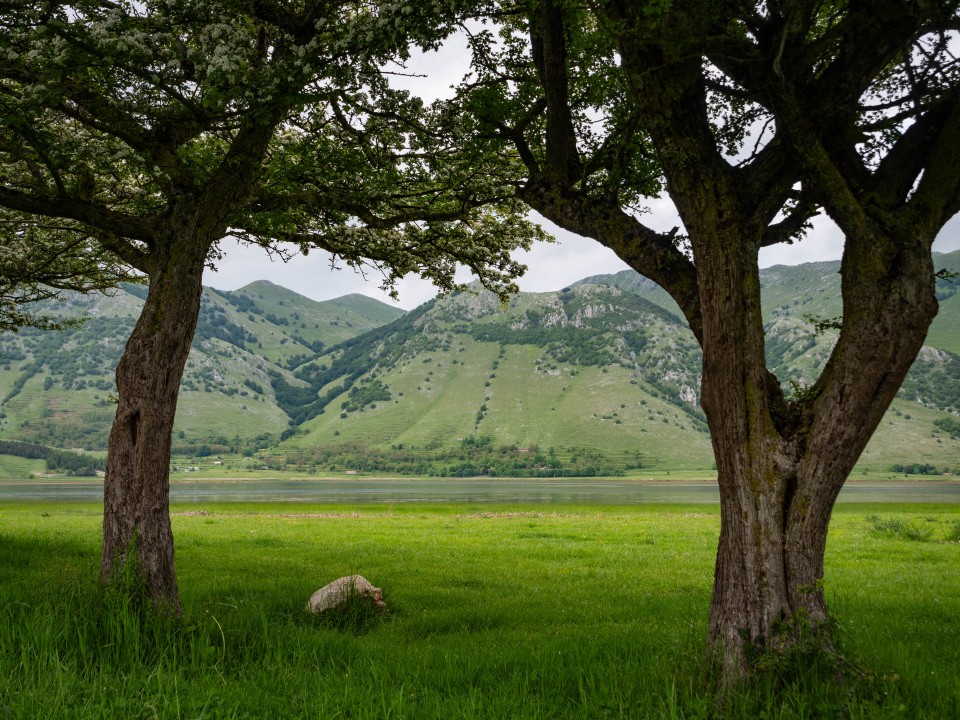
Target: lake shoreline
<point x="66" y="480"/>
<point x="474" y="491"/>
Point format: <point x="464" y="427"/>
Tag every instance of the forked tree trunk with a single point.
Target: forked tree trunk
<point x="781" y="467"/>
<point x="754" y="462"/>
<point x="781" y="463"/>
<point x="137" y="538"/>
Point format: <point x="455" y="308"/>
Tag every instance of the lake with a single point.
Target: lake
<point x="360" y="492"/>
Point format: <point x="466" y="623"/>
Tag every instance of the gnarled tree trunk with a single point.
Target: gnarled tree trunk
<point x="781" y="466"/>
<point x="136" y="519"/>
<point x="754" y="462"/>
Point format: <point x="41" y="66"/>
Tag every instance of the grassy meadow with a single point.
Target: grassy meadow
<point x="494" y="612"/>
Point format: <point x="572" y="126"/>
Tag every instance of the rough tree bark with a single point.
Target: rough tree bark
<point x="781" y="467"/>
<point x="136" y="518"/>
<point x="137" y="535"/>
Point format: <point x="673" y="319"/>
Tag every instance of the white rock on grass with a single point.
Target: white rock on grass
<point x="342" y="591"/>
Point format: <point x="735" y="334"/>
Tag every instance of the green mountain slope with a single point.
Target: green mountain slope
<point x="945" y="332"/>
<point x="55" y="387"/>
<point x="591" y="368"/>
<point x="599" y="365"/>
<point x="600" y="377"/>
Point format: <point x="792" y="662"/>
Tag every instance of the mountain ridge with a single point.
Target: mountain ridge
<point x="603" y="374"/>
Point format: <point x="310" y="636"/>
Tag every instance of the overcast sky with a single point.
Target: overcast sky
<point x="551" y="266"/>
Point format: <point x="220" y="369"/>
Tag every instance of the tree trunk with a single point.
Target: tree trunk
<point x="755" y="462"/>
<point x="781" y="467"/>
<point x="137" y="538"/>
<point x="781" y="462"/>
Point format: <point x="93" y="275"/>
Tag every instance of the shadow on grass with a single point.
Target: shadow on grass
<point x="358" y="615"/>
<point x="19" y="554"/>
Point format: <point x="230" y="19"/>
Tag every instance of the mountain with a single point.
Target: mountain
<point x="55" y="387"/>
<point x="585" y="369"/>
<point x="796" y="297"/>
<point x="606" y="363"/>
<point x="600" y="377"/>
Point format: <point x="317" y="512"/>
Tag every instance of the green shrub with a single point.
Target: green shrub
<point x="953" y="531"/>
<point x="896" y="528"/>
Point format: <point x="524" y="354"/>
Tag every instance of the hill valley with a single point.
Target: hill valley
<point x="598" y="378"/>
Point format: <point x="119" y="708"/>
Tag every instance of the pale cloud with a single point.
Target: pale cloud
<point x="553" y="266"/>
<point x="312" y="275"/>
<point x="823" y="241"/>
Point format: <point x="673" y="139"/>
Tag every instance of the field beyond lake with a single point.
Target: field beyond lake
<point x="494" y="611"/>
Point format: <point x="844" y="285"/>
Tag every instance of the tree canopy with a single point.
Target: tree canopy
<point x="43" y="260"/>
<point x="158" y="128"/>
<point x="113" y="113"/>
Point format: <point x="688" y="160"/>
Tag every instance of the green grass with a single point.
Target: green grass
<point x="907" y="435"/>
<point x="18" y="468"/>
<point x="331" y="321"/>
<point x="199" y="412"/>
<point x="571" y="612"/>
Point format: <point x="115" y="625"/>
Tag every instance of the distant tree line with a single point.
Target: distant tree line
<point x="922" y="469"/>
<point x="951" y="426"/>
<point x="934" y="382"/>
<point x="212" y="323"/>
<point x="475" y="456"/>
<point x="242" y="302"/>
<point x="27" y="450"/>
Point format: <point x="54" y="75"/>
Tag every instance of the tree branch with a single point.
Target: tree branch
<point x="90" y="214"/>
<point x="937" y="196"/>
<point x="550" y="57"/>
<point x="796" y="221"/>
<point x="652" y="254"/>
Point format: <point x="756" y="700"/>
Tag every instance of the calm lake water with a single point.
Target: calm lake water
<point x="357" y="492"/>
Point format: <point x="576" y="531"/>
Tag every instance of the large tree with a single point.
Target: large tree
<point x="155" y="129"/>
<point x="753" y="117"/>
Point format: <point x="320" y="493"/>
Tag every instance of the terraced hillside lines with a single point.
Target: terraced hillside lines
<point x="520" y="399"/>
<point x="625" y="417"/>
<point x="18" y="468"/>
<point x="199" y="413"/>
<point x="451" y="395"/>
<point x="75" y="419"/>
<point x="434" y="397"/>
<point x="514" y="394"/>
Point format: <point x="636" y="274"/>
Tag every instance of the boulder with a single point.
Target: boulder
<point x="343" y="591"/>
